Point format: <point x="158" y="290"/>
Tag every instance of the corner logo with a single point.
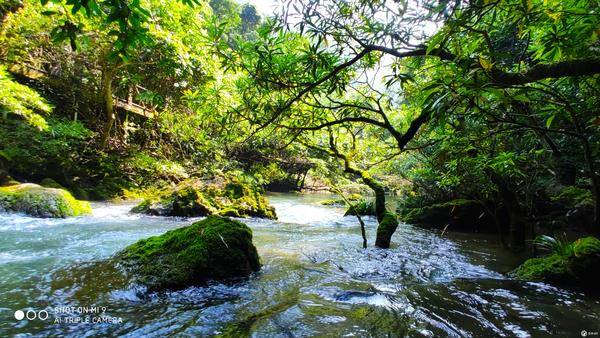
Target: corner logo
<point x="31" y="315"/>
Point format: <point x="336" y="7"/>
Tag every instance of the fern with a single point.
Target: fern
<point x="560" y="245"/>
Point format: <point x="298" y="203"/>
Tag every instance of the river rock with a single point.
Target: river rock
<point x="579" y="266"/>
<point x="221" y="196"/>
<point x="340" y="202"/>
<point x="214" y="248"/>
<point x="458" y="214"/>
<point x="362" y="207"/>
<point x="39" y="201"/>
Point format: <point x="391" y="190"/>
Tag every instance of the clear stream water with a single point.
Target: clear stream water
<point x="316" y="281"/>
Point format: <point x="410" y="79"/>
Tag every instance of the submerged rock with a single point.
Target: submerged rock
<point x="362" y="207"/>
<point x="226" y="197"/>
<point x="214" y="248"/>
<point x="580" y="265"/>
<point x="38" y="201"/>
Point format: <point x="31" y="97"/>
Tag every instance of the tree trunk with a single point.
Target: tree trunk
<point x="388" y="223"/>
<point x="596" y="194"/>
<point x="109" y="104"/>
<point x="516" y="224"/>
<point x="589" y="159"/>
<point x="387" y="220"/>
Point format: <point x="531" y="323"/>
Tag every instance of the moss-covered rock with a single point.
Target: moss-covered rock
<point x="362" y="207"/>
<point x="222" y="196"/>
<point x="214" y="248"/>
<point x="334" y="202"/>
<point x="181" y="201"/>
<point x="580" y="266"/>
<point x="38" y="201"/>
<point x="460" y="214"/>
<point x="340" y="201"/>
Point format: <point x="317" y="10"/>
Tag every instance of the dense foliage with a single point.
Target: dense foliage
<point x="490" y="105"/>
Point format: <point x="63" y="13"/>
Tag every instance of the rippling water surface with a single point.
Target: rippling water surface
<point x="316" y="281"/>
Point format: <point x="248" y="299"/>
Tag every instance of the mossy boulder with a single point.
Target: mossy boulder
<point x="580" y="266"/>
<point x="181" y="201"/>
<point x="459" y="214"/>
<point x="222" y="196"/>
<point x="362" y="207"/>
<point x="39" y="201"/>
<point x="214" y="248"/>
<point x="340" y="202"/>
<point x="334" y="202"/>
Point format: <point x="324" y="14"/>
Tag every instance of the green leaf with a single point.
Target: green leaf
<point x="549" y="121"/>
<point x="435" y="41"/>
<point x="49" y="13"/>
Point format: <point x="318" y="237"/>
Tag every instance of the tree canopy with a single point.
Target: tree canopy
<point x="491" y="101"/>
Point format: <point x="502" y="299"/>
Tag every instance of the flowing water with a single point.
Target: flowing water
<point x="316" y="281"/>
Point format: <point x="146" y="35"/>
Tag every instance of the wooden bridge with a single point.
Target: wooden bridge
<point x="134" y="108"/>
<point x="128" y="105"/>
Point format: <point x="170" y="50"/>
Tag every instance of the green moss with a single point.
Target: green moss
<point x="143" y="207"/>
<point x="385" y="230"/>
<point x="229" y="212"/>
<point x="542" y="268"/>
<point x="333" y="202"/>
<point x="229" y="197"/>
<point x="580" y="266"/>
<point x="586" y="246"/>
<point x="341" y="201"/>
<point x="362" y="208"/>
<point x="457" y="211"/>
<point x="38" y="201"/>
<point x="213" y="248"/>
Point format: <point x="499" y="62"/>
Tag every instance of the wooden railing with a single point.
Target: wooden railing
<point x="126" y="104"/>
<point x="132" y="107"/>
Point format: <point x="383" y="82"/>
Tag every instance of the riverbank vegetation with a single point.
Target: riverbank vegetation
<point x="475" y="116"/>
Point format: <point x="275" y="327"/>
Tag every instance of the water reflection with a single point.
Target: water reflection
<point x="316" y="281"/>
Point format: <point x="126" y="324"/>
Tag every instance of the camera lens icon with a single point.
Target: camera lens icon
<point x="19" y="315"/>
<point x="31" y="315"/>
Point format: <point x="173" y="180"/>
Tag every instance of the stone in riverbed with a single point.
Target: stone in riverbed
<point x="214" y="248"/>
<point x="458" y="214"/>
<point x="363" y="208"/>
<point x="340" y="202"/>
<point x="38" y="201"/>
<point x="581" y="266"/>
<point x="222" y="196"/>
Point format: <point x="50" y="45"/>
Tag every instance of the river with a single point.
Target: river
<point x="316" y="280"/>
